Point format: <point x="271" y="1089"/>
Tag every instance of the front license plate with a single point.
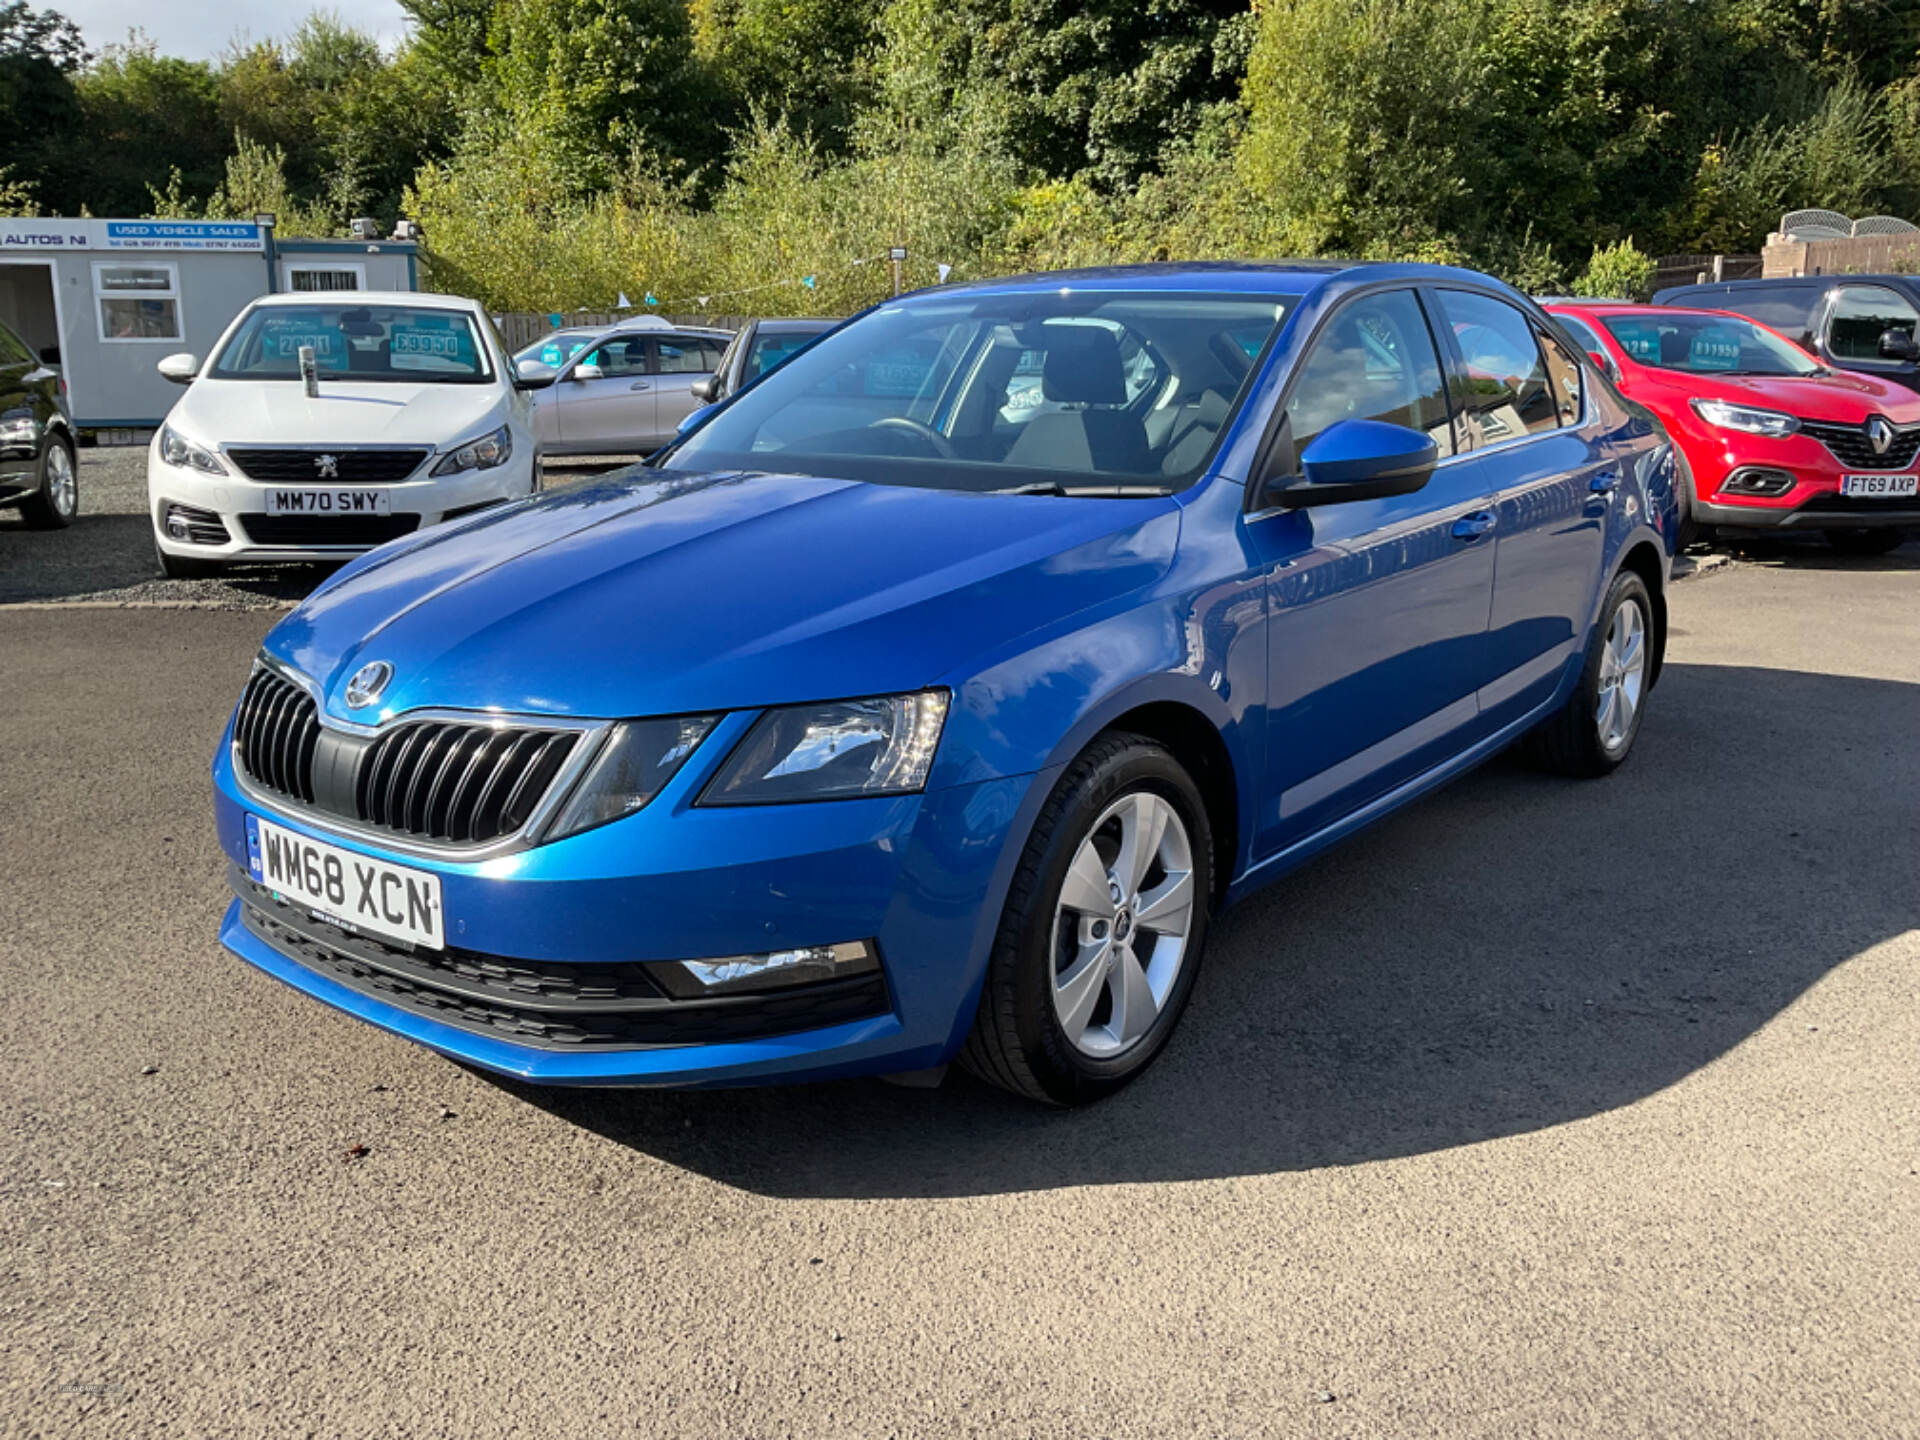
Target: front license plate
<point x="349" y="889"/>
<point x="329" y="502"/>
<point x="1891" y="486"/>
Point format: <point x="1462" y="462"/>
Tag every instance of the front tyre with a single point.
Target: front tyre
<point x="1591" y="734"/>
<point x="56" y="500"/>
<point x="1103" y="930"/>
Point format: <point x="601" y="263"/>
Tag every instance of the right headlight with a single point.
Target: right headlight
<point x="1747" y="418"/>
<point x="638" y="759"/>
<point x="837" y="750"/>
<point x="179" y="451"/>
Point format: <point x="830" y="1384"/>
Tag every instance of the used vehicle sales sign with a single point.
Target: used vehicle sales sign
<point x="38" y="234"/>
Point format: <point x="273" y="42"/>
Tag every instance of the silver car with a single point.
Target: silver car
<point x="627" y="392"/>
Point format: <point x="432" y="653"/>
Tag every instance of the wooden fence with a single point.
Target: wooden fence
<point x="1697" y="269"/>
<point x="522" y="327"/>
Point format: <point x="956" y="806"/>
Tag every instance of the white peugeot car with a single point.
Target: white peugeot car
<point x="325" y="424"/>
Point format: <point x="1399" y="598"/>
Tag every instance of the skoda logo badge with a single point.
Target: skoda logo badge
<point x="369" y="682"/>
<point x="1880" y="434"/>
<point x="328" y="466"/>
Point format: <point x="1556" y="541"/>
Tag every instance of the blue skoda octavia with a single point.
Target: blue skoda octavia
<point x="929" y="696"/>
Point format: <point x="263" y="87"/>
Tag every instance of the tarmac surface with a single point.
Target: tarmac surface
<point x="1542" y="1108"/>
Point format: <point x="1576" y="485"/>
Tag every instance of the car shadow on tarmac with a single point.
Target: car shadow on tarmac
<point x="111" y="558"/>
<point x="1515" y="952"/>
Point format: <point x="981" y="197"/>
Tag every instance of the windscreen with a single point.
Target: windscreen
<point x="397" y="343"/>
<point x="558" y="348"/>
<point x="1102" y="389"/>
<point x="1707" y="345"/>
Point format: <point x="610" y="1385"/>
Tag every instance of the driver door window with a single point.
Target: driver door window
<point x="618" y="358"/>
<point x="1504" y="385"/>
<point x="1861" y="315"/>
<point x="1374" y="361"/>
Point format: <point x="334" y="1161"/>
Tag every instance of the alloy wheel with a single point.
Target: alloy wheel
<point x="63" y="490"/>
<point x="1122" y="925"/>
<point x="1623" y="673"/>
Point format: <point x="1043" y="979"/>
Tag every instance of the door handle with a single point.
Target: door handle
<point x="1603" y="483"/>
<point x="1472" y="527"/>
<point x="640" y="385"/>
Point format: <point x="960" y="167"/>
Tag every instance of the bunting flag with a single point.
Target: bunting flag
<point x="652" y="299"/>
<point x="945" y="270"/>
<point x="703" y="300"/>
<point x="555" y="319"/>
<point x="807" y="280"/>
<point x="623" y="303"/>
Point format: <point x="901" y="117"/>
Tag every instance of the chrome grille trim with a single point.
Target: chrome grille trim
<point x="532" y="799"/>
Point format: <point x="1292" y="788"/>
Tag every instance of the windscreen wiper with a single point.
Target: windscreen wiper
<point x="1083" y="492"/>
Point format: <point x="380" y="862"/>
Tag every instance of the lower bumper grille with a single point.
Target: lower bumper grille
<point x="545" y="1005"/>
<point x="314" y="531"/>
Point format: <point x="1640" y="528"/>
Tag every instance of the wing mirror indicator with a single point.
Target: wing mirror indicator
<point x="1356" y="460"/>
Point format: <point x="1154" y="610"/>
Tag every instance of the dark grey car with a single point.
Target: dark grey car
<point x="37" y="458"/>
<point x="760" y="346"/>
<point x="1852" y="322"/>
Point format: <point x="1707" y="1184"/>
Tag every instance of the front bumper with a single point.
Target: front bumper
<point x="1812" y="502"/>
<point x="922" y="877"/>
<point x="1821" y="509"/>
<point x="233" y="500"/>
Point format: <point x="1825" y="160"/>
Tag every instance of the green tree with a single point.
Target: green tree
<point x="40" y="117"/>
<point x="145" y="114"/>
<point x="806" y="63"/>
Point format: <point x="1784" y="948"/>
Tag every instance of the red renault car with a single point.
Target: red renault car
<point x="1775" y="440"/>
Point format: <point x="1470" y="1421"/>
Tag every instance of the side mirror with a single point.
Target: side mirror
<point x="532" y="375"/>
<point x="1356" y="460"/>
<point x="1898" y="345"/>
<point x="49" y="354"/>
<point x="587" y="372"/>
<point x="181" y="368"/>
<point x="694" y="418"/>
<point x="706" y="391"/>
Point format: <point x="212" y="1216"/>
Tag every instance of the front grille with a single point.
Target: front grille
<point x="547" y="1005"/>
<point x="274" y="734"/>
<point x="452" y="782"/>
<point x="203" y="526"/>
<point x="313" y="531"/>
<point x="305" y="467"/>
<point x="466" y="784"/>
<point x="1849" y="445"/>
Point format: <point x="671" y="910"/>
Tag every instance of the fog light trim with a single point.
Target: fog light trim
<point x="767" y="970"/>
<point x="1755" y="480"/>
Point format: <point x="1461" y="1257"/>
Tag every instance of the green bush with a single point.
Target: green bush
<point x="1616" y="272"/>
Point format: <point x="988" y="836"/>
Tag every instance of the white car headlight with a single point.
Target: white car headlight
<point x="1745" y="418"/>
<point x="482" y="454"/>
<point x="179" y="451"/>
<point x="840" y="750"/>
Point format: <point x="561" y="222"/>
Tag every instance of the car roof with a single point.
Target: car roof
<point x="796" y="324"/>
<point x="426" y="299"/>
<point x="1259" y="277"/>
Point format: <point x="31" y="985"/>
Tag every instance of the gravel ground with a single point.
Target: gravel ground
<point x="106" y="556"/>
<point x="1541" y="1109"/>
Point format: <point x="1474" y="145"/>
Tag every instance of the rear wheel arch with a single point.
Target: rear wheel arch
<point x="1643" y="558"/>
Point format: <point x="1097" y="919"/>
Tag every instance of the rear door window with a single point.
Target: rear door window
<point x="1861" y="315"/>
<point x="1503" y="386"/>
<point x="1568" y="380"/>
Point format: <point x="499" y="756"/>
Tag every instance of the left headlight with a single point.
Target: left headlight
<point x="482" y="454"/>
<point x="638" y="759"/>
<point x="1745" y="418"/>
<point x="839" y="750"/>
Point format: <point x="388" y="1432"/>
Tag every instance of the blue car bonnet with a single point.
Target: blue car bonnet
<point x="655" y="595"/>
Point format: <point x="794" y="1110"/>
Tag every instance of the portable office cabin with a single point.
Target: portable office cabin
<point x="113" y="297"/>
